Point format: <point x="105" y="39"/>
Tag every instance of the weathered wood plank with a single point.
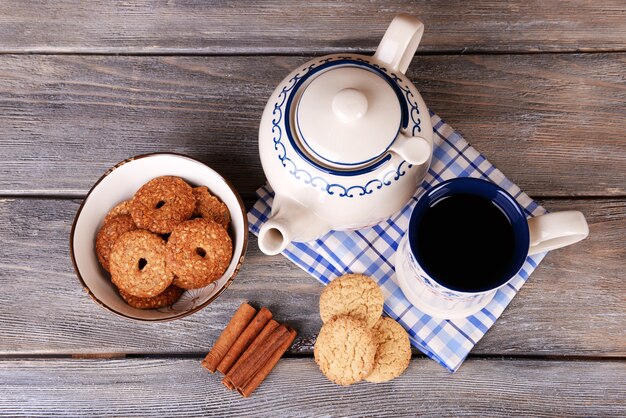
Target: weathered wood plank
<point x="573" y="304"/>
<point x="181" y="387"/>
<point x="553" y="123"/>
<point x="306" y="26"/>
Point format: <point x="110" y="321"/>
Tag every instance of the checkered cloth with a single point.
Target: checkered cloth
<point x="371" y="251"/>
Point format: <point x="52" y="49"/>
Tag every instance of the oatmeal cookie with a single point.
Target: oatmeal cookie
<point x="137" y="264"/>
<point x="112" y="229"/>
<point x="394" y="351"/>
<point x="356" y="295"/>
<point x="210" y="207"/>
<point x="198" y="252"/>
<point x="162" y="203"/>
<point x="345" y="350"/>
<point x="168" y="297"/>
<point x="122" y="208"/>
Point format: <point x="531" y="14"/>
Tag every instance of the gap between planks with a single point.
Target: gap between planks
<point x="249" y="201"/>
<point x="294" y="52"/>
<point x="200" y="355"/>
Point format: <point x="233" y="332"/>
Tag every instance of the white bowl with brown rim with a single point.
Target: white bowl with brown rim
<point x="120" y="183"/>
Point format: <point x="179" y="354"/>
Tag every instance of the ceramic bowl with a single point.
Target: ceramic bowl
<point x="120" y="183"/>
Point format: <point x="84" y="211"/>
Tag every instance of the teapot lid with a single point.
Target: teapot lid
<point x="348" y="116"/>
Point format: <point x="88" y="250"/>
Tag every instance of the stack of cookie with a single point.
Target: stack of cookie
<point x="167" y="238"/>
<point x="355" y="342"/>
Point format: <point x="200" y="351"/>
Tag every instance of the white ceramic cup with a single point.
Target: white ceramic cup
<point x="532" y="236"/>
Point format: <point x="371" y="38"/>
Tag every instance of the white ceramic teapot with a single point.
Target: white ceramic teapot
<point x="345" y="140"/>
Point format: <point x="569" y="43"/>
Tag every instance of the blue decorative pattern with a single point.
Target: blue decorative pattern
<point x="371" y="251"/>
<point x="280" y="130"/>
<point x="410" y="99"/>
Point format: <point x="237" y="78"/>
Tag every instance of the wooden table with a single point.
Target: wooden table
<point x="539" y="87"/>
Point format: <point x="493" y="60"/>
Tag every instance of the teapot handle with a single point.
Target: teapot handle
<point x="400" y="42"/>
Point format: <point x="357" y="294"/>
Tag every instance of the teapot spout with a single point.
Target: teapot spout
<point x="289" y="221"/>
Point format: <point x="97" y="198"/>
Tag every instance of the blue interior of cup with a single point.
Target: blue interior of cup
<point x="487" y="190"/>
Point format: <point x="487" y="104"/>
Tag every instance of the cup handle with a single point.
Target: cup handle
<point x="556" y="230"/>
<point x="400" y="42"/>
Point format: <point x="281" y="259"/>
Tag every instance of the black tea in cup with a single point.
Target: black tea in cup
<point x="466" y="243"/>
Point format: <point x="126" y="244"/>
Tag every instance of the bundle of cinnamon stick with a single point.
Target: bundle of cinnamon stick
<point x="248" y="349"/>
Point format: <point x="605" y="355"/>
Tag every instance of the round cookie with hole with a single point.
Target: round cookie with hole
<point x="122" y="208"/>
<point x="198" y="252"/>
<point x="162" y="203"/>
<point x="210" y="207"/>
<point x="168" y="297"/>
<point x="137" y="264"/>
<point x="108" y="234"/>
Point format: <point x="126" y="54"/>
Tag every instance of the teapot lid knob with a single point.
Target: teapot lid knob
<point x="348" y="117"/>
<point x="349" y="104"/>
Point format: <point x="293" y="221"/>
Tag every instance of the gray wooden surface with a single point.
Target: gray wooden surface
<point x="178" y="387"/>
<point x="586" y="319"/>
<point x="539" y="87"/>
<point x="293" y="27"/>
<point x="554" y="123"/>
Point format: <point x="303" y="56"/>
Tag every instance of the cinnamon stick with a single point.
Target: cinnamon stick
<point x="233" y="330"/>
<point x="254" y="346"/>
<point x="244" y="373"/>
<point x="253" y="329"/>
<point x="227" y="383"/>
<point x="256" y="380"/>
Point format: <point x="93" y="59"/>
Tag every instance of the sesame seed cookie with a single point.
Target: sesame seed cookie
<point x="162" y="203"/>
<point x="169" y="296"/>
<point x="394" y="351"/>
<point x="345" y="350"/>
<point x="198" y="252"/>
<point x="122" y="208"/>
<point x="137" y="264"/>
<point x="210" y="207"/>
<point x="356" y="295"/>
<point x="112" y="229"/>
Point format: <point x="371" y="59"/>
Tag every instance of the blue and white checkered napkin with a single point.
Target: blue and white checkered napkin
<point x="370" y="251"/>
